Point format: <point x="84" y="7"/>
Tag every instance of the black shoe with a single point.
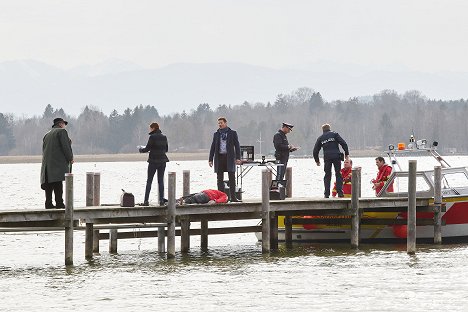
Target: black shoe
<point x="163" y="202"/>
<point x="49" y="206"/>
<point x="60" y="206"/>
<point x="341" y="195"/>
<point x="145" y="204"/>
<point x="235" y="200"/>
<point x="327" y="196"/>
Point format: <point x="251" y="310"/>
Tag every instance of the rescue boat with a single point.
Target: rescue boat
<point x="454" y="192"/>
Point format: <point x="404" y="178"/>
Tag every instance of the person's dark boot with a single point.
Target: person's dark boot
<point x="233" y="197"/>
<point x="60" y="205"/>
<point x="163" y="202"/>
<point x="49" y="205"/>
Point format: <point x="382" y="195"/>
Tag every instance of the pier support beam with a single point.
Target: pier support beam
<point x="411" y="236"/>
<point x="288" y="231"/>
<point x="356" y="214"/>
<point x="185" y="221"/>
<point x="204" y="234"/>
<point x="95" y="241"/>
<point x="171" y="211"/>
<point x="289" y="184"/>
<point x="68" y="219"/>
<point x="89" y="188"/>
<point x="273" y="231"/>
<point x="265" y="212"/>
<point x="185" y="234"/>
<point x="113" y="241"/>
<point x="437" y="205"/>
<point x="161" y="239"/>
<point x="97" y="189"/>
<point x="186" y="183"/>
<point x="89" y="240"/>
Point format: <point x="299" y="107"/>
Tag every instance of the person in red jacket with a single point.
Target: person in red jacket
<point x="382" y="176"/>
<point x="346" y="173"/>
<point x="204" y="197"/>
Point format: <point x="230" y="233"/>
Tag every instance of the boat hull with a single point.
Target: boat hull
<point x="454" y="229"/>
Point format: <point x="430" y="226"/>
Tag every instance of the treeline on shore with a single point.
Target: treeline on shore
<point x="370" y="122"/>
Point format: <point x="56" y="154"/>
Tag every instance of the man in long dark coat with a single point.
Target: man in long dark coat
<point x="224" y="155"/>
<point x="57" y="156"/>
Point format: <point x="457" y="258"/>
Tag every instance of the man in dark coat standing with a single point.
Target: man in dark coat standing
<point x="282" y="149"/>
<point x="330" y="142"/>
<point x="157" y="147"/>
<point x="57" y="157"/>
<point x="225" y="152"/>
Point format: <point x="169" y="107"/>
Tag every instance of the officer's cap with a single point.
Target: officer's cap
<point x="287" y="125"/>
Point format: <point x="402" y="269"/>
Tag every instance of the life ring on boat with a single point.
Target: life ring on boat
<point x="400" y="230"/>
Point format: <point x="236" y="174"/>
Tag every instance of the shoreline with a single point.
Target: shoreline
<point x="27" y="159"/>
<point x="30" y="159"/>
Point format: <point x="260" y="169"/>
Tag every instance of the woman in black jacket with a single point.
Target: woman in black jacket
<point x="157" y="159"/>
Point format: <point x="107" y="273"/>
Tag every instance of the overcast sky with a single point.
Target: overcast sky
<point x="423" y="35"/>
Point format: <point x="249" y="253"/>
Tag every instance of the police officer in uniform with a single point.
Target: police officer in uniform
<point x="330" y="142"/>
<point x="282" y="149"/>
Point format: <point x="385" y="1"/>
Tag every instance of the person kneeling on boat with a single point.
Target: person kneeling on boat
<point x="346" y="174"/>
<point x="382" y="176"/>
<point x="204" y="197"/>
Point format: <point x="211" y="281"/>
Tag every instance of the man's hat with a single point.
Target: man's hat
<point x="57" y="120"/>
<point x="287" y="125"/>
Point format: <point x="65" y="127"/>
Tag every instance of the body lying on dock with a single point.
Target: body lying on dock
<point x="204" y="197"/>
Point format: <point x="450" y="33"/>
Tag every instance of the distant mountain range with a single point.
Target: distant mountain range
<point x="26" y="87"/>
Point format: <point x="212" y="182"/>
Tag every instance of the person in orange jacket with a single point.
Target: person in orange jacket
<point x="346" y="173"/>
<point x="382" y="176"/>
<point x="204" y="197"/>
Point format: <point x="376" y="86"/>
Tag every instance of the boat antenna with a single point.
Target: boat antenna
<point x="259" y="140"/>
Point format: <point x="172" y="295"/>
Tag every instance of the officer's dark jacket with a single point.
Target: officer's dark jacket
<point x="329" y="141"/>
<point x="157" y="147"/>
<point x="280" y="141"/>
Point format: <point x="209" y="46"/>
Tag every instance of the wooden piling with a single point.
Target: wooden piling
<point x="171" y="211"/>
<point x="184" y="234"/>
<point x="289" y="183"/>
<point x="68" y="222"/>
<point x="95" y="241"/>
<point x="89" y="188"/>
<point x="288" y="231"/>
<point x="437" y="205"/>
<point x="265" y="212"/>
<point x="97" y="189"/>
<point x="204" y="234"/>
<point x="356" y="215"/>
<point x="113" y="241"/>
<point x="161" y="239"/>
<point x="185" y="182"/>
<point x="89" y="240"/>
<point x="411" y="236"/>
<point x="270" y="177"/>
<point x="273" y="231"/>
<point x="89" y="232"/>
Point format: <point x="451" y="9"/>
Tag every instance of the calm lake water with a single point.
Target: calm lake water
<point x="233" y="275"/>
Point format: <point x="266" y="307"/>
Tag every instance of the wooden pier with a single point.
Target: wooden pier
<point x="161" y="222"/>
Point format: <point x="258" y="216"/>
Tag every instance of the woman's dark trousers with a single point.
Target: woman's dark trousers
<point x="152" y="168"/>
